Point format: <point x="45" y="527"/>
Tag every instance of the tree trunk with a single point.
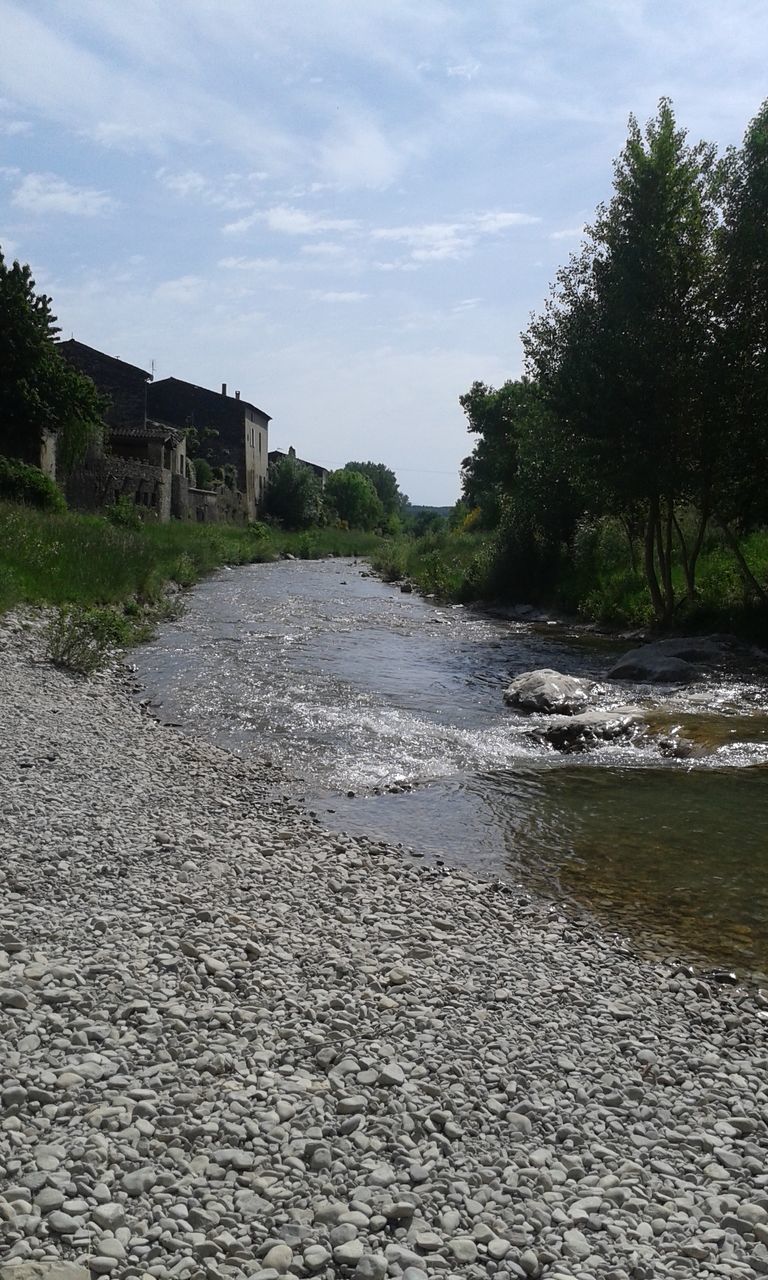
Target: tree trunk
<point x="649" y="549"/>
<point x="690" y="558"/>
<point x="627" y="527"/>
<point x="747" y="574"/>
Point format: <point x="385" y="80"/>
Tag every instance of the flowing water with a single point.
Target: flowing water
<point x="385" y="711"/>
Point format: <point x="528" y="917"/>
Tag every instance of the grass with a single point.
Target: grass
<point x="68" y="558"/>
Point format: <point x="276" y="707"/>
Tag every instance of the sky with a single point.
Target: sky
<point x="346" y="209"/>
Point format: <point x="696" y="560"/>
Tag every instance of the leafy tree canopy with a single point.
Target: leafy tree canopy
<point x="351" y="497"/>
<point x="385" y="483"/>
<point x="292" y="495"/>
<point x="39" y="390"/>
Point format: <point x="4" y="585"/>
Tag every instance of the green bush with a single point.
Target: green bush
<point x="124" y="514"/>
<point x="203" y="473"/>
<point x="21" y="483"/>
<point x="83" y="640"/>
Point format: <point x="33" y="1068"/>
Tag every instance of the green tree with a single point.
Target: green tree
<point x="39" y="390"/>
<point x="619" y="349"/>
<point x="739" y="358"/>
<point x="385" y="483"/>
<point x="292" y="495"/>
<point x="351" y="497"/>
<point x="498" y="419"/>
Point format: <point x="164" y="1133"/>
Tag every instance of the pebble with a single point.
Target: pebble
<point x="236" y="1046"/>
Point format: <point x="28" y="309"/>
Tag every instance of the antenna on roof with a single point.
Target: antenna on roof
<point x="152" y="367"/>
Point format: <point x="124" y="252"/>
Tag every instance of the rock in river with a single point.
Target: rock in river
<point x="577" y="733"/>
<point x="547" y="690"/>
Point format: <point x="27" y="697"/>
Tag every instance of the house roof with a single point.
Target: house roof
<point x="150" y="430"/>
<point x="215" y="394"/>
<point x="72" y="345"/>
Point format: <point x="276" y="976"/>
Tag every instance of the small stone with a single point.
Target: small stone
<point x="349" y="1254"/>
<point x="109" y="1216"/>
<point x="316" y="1256"/>
<point x="137" y="1181"/>
<point x="63" y="1223"/>
<point x="391" y="1074"/>
<point x="13" y="999"/>
<point x="463" y="1249"/>
<point x="372" y="1266"/>
<point x="576" y="1245"/>
<point x="280" y="1256"/>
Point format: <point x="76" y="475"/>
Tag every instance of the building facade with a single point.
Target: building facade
<point x="232" y="432"/>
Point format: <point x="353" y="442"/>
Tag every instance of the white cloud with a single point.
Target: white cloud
<point x="251" y="264"/>
<point x="440" y="241"/>
<point x="325" y="249"/>
<point x="45" y="193"/>
<point x="290" y="221"/>
<point x="567" y="233"/>
<point x="331" y="296"/>
<point x="297" y="222"/>
<point x="15" y="128"/>
<point x="464" y="70"/>
<point x="184" y="290"/>
<point x="226" y="192"/>
<point x="491" y="222"/>
<point x="358" y="154"/>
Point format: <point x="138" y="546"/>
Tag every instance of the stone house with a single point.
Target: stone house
<point x="140" y="458"/>
<point x="233" y="432"/>
<point x="319" y="472"/>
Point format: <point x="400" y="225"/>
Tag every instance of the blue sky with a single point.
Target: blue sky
<point x="347" y="209"/>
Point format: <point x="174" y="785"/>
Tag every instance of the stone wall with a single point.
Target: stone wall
<point x="101" y="479"/>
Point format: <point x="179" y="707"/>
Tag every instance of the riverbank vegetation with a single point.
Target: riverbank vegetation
<point x="624" y="475"/>
<point x="63" y="557"/>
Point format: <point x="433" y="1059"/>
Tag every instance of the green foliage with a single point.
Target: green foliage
<point x="203" y="473"/>
<point x="123" y="514"/>
<point x="22" y="483"/>
<point x="385" y="483"/>
<point x="350" y="496"/>
<point x="642" y="414"/>
<point x="292" y="495"/>
<point x="39" y="390"/>
<point x="84" y="639"/>
<point x="68" y="558"/>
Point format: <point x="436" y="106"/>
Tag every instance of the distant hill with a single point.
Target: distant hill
<point x="416" y="508"/>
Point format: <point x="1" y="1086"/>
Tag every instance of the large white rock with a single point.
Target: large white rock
<point x="547" y="690"/>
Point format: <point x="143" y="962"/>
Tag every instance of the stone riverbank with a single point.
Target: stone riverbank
<point x="233" y="1045"/>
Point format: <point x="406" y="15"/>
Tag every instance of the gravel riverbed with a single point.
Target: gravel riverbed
<point x="235" y="1045"/>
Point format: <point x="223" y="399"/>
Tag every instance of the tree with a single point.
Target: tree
<point x="292" y="495"/>
<point x="39" y="390"/>
<point x="385" y="483"/>
<point x="351" y="497"/>
<point x="497" y="417"/>
<point x="620" y="347"/>
<point x="738" y="365"/>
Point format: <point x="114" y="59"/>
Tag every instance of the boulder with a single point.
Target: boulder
<point x="46" y="1269"/>
<point x="653" y="664"/>
<point x="547" y="690"/>
<point x="591" y="728"/>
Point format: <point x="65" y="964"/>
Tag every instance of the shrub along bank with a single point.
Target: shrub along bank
<point x="597" y="577"/>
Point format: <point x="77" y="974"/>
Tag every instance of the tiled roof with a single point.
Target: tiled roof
<point x="150" y="430"/>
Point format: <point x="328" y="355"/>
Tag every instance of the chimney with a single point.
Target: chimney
<point x="223" y="388"/>
<point x="237" y="395"/>
<point x="291" y="452"/>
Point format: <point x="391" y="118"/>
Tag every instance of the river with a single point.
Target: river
<point x="385" y="712"/>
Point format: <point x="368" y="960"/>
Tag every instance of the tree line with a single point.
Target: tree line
<point x="644" y="398"/>
<point x="360" y="495"/>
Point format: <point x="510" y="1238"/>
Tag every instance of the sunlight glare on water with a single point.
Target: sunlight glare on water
<point x="354" y="687"/>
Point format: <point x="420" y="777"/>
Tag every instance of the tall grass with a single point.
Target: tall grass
<point x="68" y="558"/>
